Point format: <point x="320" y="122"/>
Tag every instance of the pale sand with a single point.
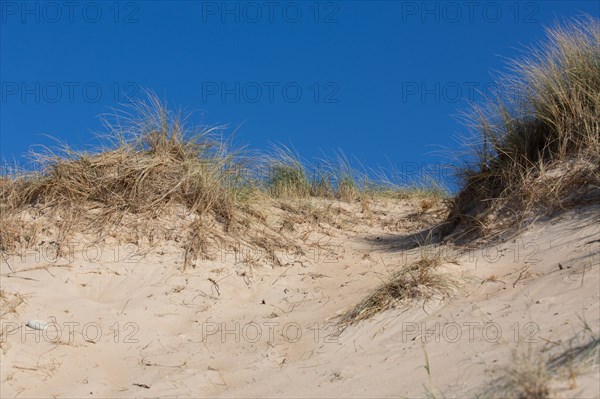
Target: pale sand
<point x="167" y="349"/>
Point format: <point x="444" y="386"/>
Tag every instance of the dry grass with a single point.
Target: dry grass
<point x="418" y="281"/>
<point x="527" y="378"/>
<point x="10" y="233"/>
<point x="151" y="161"/>
<point x="531" y="373"/>
<point x="290" y="176"/>
<point x="9" y="303"/>
<point x="544" y="118"/>
<point x="287" y="176"/>
<point x="151" y="164"/>
<point x="156" y="162"/>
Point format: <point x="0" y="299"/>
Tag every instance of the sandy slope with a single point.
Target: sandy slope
<point x="227" y="328"/>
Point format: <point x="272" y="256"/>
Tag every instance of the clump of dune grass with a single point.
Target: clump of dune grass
<point x="151" y="164"/>
<point x="527" y="378"/>
<point x="149" y="160"/>
<point x="286" y="174"/>
<point x="538" y="138"/>
<point x="426" y="189"/>
<point x="290" y="176"/>
<point x="350" y="183"/>
<point x="336" y="177"/>
<point x="418" y="281"/>
<point x="155" y="162"/>
<point x="531" y="373"/>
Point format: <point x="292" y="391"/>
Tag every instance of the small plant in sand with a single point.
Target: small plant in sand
<point x="418" y="281"/>
<point x="528" y="377"/>
<point x="286" y="174"/>
<point x="532" y="371"/>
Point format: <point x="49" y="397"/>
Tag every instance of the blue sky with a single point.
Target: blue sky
<point x="382" y="81"/>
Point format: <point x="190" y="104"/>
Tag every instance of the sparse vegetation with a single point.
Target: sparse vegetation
<point x="418" y="281"/>
<point x="527" y="378"/>
<point x="538" y="151"/>
<point x="538" y="139"/>
<point x="531" y="372"/>
<point x="156" y="161"/>
<point x="151" y="161"/>
<point x="287" y="176"/>
<point x="9" y="303"/>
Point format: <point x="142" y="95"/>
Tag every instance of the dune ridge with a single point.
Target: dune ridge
<point x="167" y="262"/>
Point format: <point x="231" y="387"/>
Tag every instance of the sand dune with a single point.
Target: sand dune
<point x="132" y="322"/>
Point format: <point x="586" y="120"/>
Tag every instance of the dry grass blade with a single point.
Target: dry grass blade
<point x="9" y="303"/>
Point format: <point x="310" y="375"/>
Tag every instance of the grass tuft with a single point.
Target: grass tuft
<point x="418" y="281"/>
<point x="531" y="374"/>
<point x="538" y="138"/>
<point x="528" y="377"/>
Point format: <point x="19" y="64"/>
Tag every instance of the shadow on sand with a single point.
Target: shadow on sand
<point x="399" y="243"/>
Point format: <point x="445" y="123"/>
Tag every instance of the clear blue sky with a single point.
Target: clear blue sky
<point x="383" y="81"/>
